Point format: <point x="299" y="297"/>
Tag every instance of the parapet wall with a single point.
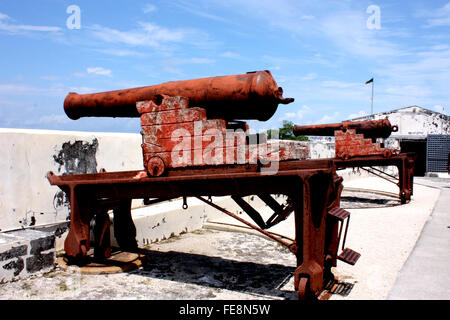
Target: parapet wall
<point x="26" y="197"/>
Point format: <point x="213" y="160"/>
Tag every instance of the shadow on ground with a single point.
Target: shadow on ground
<point x="217" y="272"/>
<point x="365" y="199"/>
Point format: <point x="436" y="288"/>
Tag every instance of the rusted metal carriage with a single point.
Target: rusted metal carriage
<point x="195" y="144"/>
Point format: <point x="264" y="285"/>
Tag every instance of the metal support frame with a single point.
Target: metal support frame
<point x="403" y="161"/>
<point x="312" y="186"/>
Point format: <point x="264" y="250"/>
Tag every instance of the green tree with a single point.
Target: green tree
<point x="286" y="132"/>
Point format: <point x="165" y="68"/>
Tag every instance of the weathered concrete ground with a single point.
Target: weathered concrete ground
<point x="216" y="265"/>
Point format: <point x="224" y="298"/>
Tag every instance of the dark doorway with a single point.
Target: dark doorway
<point x="438" y="152"/>
<point x="420" y="148"/>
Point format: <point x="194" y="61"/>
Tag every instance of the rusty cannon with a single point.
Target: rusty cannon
<point x="356" y="146"/>
<point x="370" y="129"/>
<point x="353" y="138"/>
<point x="195" y="144"/>
<point x="254" y="95"/>
<point x="188" y="115"/>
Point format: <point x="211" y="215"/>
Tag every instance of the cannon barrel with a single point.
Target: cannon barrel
<point x="254" y="95"/>
<point x="370" y="128"/>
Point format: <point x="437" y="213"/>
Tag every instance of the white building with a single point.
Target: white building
<point x="422" y="131"/>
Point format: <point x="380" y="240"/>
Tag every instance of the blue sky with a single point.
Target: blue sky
<point x="320" y="52"/>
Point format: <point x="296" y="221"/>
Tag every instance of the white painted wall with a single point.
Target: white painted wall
<point x="414" y="121"/>
<point x="27" y="156"/>
<point x="419" y="121"/>
<point x="321" y="149"/>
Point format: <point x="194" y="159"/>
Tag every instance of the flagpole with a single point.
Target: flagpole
<point x="371" y="104"/>
<point x="371" y="107"/>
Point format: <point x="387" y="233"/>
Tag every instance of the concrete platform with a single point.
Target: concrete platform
<point x="385" y="236"/>
<point x="426" y="273"/>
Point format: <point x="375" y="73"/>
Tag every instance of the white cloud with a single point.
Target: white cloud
<point x="290" y="115"/>
<point x="82" y="89"/>
<point x="304" y="111"/>
<point x="49" y="119"/>
<point x="4" y="16"/>
<point x="344" y="27"/>
<point x="21" y="28"/>
<point x="171" y="65"/>
<point x="349" y="32"/>
<point x="274" y="12"/>
<point x="441" y="46"/>
<point x="301" y="113"/>
<point x="121" y="52"/>
<point x="439" y="108"/>
<point x="193" y="60"/>
<point x="150" y="35"/>
<point x="199" y="60"/>
<point x="95" y="71"/>
<point x="149" y="8"/>
<point x="15" y="28"/>
<point x="307" y="17"/>
<point x="340" y="84"/>
<point x="158" y="33"/>
<point x="411" y="90"/>
<point x="230" y="54"/>
<point x="439" y="17"/>
<point x="421" y="80"/>
<point x="439" y="22"/>
<point x="309" y="76"/>
<point x="99" y="71"/>
<point x="19" y="89"/>
<point x="328" y="118"/>
<point x="194" y="10"/>
<point x="50" y="78"/>
<point x="359" y="114"/>
<point x="139" y="37"/>
<point x="56" y="90"/>
<point x="168" y="68"/>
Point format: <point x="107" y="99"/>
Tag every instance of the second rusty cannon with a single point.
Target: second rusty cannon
<point x="370" y="129"/>
<point x="356" y="146"/>
<point x="353" y="138"/>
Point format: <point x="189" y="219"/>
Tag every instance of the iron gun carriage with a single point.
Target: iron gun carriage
<point x="180" y="121"/>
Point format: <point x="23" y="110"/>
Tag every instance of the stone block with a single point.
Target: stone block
<point x="26" y="252"/>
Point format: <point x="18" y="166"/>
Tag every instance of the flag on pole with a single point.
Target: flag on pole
<point x="369" y="81"/>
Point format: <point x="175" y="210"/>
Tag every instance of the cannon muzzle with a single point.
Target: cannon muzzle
<point x="371" y="129"/>
<point x="254" y="95"/>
